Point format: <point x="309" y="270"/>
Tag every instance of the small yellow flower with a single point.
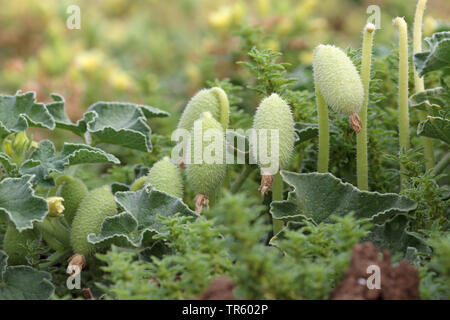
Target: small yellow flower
<point x="221" y="18"/>
<point x="55" y="206"/>
<point x="7" y="148"/>
<point x="120" y="80"/>
<point x="273" y="45"/>
<point x="89" y="60"/>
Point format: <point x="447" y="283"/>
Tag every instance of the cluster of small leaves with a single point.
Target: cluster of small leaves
<point x="435" y="275"/>
<point x="195" y="255"/>
<point x="432" y="199"/>
<point x="315" y="255"/>
<point x="269" y="75"/>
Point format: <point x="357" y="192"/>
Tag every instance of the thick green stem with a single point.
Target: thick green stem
<point x="277" y="195"/>
<point x="403" y="112"/>
<point x="418" y="81"/>
<point x="362" y="167"/>
<point x="442" y="164"/>
<point x="324" y="135"/>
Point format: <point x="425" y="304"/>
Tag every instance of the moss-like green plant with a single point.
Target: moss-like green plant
<point x="418" y="81"/>
<point x="362" y="169"/>
<point x="274" y="113"/>
<point x="204" y="177"/>
<point x="72" y="190"/>
<point x="93" y="209"/>
<point x="214" y="100"/>
<point x="403" y="112"/>
<point x="339" y="86"/>
<point x="163" y="176"/>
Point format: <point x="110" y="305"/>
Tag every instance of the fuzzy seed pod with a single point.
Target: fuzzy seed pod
<point x="15" y="244"/>
<point x="93" y="209"/>
<point x="205" y="177"/>
<point x="163" y="176"/>
<point x="273" y="113"/>
<point x="338" y="81"/>
<point x="72" y="190"/>
<point x="214" y="100"/>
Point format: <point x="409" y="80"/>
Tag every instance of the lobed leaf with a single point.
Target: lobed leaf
<point x="43" y="160"/>
<point x="438" y="55"/>
<point x="119" y="123"/>
<point x="435" y="127"/>
<point x="20" y="111"/>
<point x="140" y="216"/>
<point x="317" y="196"/>
<point x="62" y="121"/>
<point x="18" y="201"/>
<point x="23" y="282"/>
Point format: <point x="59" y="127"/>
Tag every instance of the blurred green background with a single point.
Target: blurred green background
<point x="161" y="52"/>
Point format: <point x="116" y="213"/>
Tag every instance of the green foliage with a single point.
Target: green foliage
<point x="270" y="76"/>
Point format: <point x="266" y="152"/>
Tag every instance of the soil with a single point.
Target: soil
<point x="397" y="283"/>
<point x="219" y="289"/>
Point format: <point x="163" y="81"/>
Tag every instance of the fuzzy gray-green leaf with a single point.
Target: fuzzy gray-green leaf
<point x="21" y="111"/>
<point x="43" y="160"/>
<point x="317" y="196"/>
<point x="18" y="201"/>
<point x="23" y="282"/>
<point x="62" y="121"/>
<point x="141" y="215"/>
<point x="435" y="127"/>
<point x="438" y="55"/>
<point x="120" y="123"/>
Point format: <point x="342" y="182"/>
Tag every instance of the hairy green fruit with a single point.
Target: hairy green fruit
<point x="72" y="190"/>
<point x="163" y="176"/>
<point x="274" y="113"/>
<point x="139" y="183"/>
<point x="93" y="209"/>
<point x="214" y="100"/>
<point x="15" y="244"/>
<point x="337" y="79"/>
<point x="205" y="178"/>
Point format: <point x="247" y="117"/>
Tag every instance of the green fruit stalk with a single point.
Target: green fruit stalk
<point x="273" y="113"/>
<point x="418" y="81"/>
<point x="72" y="190"/>
<point x="163" y="176"/>
<point x="214" y="100"/>
<point x="15" y="244"/>
<point x="362" y="167"/>
<point x="204" y="177"/>
<point x="403" y="112"/>
<point x="93" y="209"/>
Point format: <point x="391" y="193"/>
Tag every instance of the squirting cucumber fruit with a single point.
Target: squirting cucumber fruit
<point x="91" y="212"/>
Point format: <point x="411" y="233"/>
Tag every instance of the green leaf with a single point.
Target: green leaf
<point x="140" y="216"/>
<point x="20" y="111"/>
<point x="438" y="56"/>
<point x="393" y="235"/>
<point x="43" y="160"/>
<point x="306" y="131"/>
<point x="23" y="282"/>
<point x="8" y="165"/>
<point x="435" y="127"/>
<point x="317" y="196"/>
<point x="431" y="100"/>
<point x="119" y="123"/>
<point x="62" y="121"/>
<point x="18" y="201"/>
